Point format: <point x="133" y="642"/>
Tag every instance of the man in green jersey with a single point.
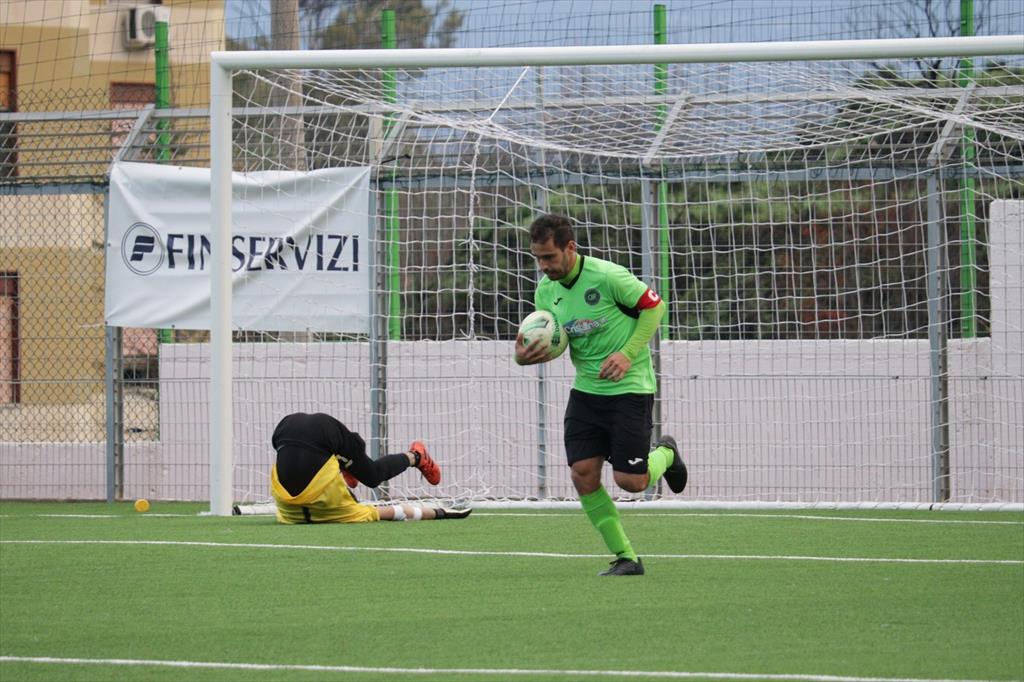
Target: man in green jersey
<point x="609" y="316"/>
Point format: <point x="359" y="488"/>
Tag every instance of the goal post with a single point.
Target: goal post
<point x="221" y="402"/>
<point x="590" y="156"/>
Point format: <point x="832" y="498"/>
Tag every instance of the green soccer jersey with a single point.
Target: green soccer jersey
<point x="598" y="311"/>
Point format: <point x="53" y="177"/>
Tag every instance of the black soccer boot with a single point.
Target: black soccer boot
<point x="676" y="474"/>
<point x="442" y="513"/>
<point x="623" y="566"/>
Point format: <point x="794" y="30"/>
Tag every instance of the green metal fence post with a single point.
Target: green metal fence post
<point x="664" y="237"/>
<point x="968" y="245"/>
<point x="162" y="57"/>
<point x="389" y="40"/>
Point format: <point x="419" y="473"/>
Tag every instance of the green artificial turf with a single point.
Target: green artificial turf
<point x="508" y="596"/>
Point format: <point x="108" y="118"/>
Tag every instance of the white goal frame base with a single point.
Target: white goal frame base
<point x="264" y="509"/>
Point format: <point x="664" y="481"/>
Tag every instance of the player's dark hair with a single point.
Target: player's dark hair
<point x="552" y="226"/>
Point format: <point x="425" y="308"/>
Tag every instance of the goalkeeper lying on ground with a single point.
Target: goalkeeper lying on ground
<point x="319" y="459"/>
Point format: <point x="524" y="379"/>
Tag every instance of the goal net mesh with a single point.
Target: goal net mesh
<point x="783" y="212"/>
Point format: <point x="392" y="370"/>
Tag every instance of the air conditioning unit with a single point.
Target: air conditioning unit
<point x="140" y="25"/>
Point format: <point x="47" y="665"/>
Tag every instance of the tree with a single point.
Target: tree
<point x="330" y="24"/>
<point x="355" y="24"/>
<point x="919" y="19"/>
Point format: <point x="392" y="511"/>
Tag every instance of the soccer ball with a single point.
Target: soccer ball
<point x="541" y="324"/>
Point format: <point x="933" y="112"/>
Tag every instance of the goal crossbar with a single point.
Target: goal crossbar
<point x="891" y="48"/>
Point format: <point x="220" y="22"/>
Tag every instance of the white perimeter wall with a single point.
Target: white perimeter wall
<point x="806" y="421"/>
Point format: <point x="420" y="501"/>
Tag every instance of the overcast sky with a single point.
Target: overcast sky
<point x="517" y="23"/>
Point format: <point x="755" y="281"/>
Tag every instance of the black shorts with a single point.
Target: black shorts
<point x="615" y="427"/>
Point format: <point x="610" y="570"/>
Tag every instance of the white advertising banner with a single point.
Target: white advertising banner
<point x="299" y="249"/>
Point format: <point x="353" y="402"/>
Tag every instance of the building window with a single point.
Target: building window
<point x="10" y="351"/>
<point x="128" y="96"/>
<point x="8" y="129"/>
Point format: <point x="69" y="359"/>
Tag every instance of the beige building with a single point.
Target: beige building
<point x="75" y="77"/>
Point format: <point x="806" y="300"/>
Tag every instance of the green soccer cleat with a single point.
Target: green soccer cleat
<point x="676" y="474"/>
<point x="624" y="567"/>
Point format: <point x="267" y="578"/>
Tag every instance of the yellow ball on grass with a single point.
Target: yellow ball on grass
<point x="142" y="505"/>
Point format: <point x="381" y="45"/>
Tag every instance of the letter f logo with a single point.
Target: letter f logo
<point x="144" y="244"/>
<point x="142" y="249"/>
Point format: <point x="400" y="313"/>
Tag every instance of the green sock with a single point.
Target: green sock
<point x="604" y="515"/>
<point x="660" y="459"/>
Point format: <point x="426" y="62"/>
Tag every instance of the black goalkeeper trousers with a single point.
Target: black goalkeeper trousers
<point x="373" y="472"/>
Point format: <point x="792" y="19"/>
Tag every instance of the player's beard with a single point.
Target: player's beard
<point x="561" y="271"/>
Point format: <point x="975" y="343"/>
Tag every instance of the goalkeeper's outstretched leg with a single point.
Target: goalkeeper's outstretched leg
<point x="373" y="472"/>
<point x="410" y="512"/>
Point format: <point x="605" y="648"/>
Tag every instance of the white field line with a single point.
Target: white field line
<point x="490" y="672"/>
<point x="544" y="555"/>
<point x="92" y="516"/>
<point x="803" y="517"/>
<point x="569" y="515"/>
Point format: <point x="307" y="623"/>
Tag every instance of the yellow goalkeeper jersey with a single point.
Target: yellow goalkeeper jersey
<point x="325" y="499"/>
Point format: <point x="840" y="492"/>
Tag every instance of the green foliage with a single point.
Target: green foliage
<point x="356" y="25"/>
<point x="748" y="260"/>
<point x="491" y="273"/>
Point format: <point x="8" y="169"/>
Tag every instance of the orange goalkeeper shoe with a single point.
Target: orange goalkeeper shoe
<point x="350" y="480"/>
<point x="425" y="463"/>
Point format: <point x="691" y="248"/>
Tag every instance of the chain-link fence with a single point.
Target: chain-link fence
<point x="55" y="362"/>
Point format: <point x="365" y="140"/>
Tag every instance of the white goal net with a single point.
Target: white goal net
<point x="839" y="242"/>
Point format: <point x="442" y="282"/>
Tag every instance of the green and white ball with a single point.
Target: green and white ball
<point x="541" y="324"/>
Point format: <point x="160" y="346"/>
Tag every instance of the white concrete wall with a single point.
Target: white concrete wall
<point x="791" y="421"/>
